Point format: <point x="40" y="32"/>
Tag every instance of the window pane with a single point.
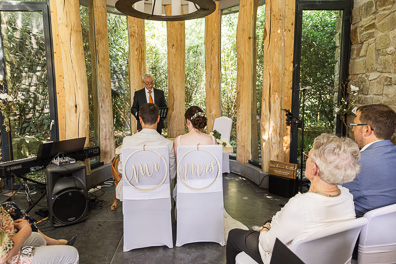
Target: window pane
<point x="26" y="81"/>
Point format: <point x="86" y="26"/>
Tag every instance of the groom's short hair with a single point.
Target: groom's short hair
<point x="380" y="117"/>
<point x="149" y="113"/>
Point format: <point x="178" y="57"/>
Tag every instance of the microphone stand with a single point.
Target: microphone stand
<point x="291" y="119"/>
<point x="302" y="137"/>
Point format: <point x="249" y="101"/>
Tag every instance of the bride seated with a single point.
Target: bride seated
<point x="195" y="121"/>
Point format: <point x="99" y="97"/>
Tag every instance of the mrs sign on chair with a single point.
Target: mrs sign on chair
<point x="377" y="242"/>
<point x="223" y="125"/>
<point x="146" y="197"/>
<point x="200" y="205"/>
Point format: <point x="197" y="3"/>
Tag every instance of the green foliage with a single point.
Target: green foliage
<point x="26" y="77"/>
<point x="318" y="60"/>
<point x="229" y="70"/>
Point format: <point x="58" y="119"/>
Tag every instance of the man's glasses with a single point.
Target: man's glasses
<point x="149" y="83"/>
<point x="354" y="125"/>
<point x="305" y="156"/>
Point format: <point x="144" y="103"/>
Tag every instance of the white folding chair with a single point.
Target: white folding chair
<point x="331" y="245"/>
<point x="223" y="125"/>
<point x="377" y="242"/>
<point x="146" y="197"/>
<point x="199" y="201"/>
<point x="243" y="258"/>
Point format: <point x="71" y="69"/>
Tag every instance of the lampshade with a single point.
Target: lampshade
<point x="155" y="9"/>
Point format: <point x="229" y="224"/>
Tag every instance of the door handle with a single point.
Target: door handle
<point x="52" y="123"/>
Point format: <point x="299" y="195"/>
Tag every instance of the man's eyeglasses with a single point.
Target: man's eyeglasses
<point x="149" y="83"/>
<point x="354" y="125"/>
<point x="305" y="156"/>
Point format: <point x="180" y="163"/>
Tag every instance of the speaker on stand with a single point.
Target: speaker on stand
<point x="67" y="195"/>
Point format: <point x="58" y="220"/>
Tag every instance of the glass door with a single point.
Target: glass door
<point x="28" y="112"/>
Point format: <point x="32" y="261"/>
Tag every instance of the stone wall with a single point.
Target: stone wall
<point x="372" y="66"/>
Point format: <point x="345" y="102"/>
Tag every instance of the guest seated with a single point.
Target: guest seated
<point x="20" y="245"/>
<point x="195" y="121"/>
<point x="375" y="185"/>
<point x="331" y="162"/>
<point x="16" y="213"/>
<point x="149" y="136"/>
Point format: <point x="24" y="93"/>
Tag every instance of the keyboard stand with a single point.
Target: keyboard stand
<point x="30" y="201"/>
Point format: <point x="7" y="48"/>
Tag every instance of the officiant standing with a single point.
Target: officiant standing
<point x="148" y="95"/>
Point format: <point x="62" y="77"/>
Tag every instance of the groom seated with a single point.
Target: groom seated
<point x="149" y="118"/>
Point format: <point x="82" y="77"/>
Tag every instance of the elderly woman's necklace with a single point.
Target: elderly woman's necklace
<point x="329" y="195"/>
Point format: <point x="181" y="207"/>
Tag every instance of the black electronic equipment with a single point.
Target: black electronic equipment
<point x="67" y="195"/>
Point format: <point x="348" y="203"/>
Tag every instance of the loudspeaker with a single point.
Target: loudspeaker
<point x="284" y="187"/>
<point x="67" y="194"/>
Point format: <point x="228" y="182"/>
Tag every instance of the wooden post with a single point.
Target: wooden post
<point x="277" y="80"/>
<point x="94" y="84"/>
<point x="137" y="58"/>
<point x="212" y="66"/>
<point x="59" y="78"/>
<point x="246" y="40"/>
<point x="74" y="72"/>
<point x="176" y="71"/>
<point x="107" y="145"/>
<point x="254" y="140"/>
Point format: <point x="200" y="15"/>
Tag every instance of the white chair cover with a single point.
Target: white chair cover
<point x="223" y="124"/>
<point x="243" y="258"/>
<point x="377" y="242"/>
<point x="146" y="197"/>
<point x="333" y="244"/>
<point x="199" y="195"/>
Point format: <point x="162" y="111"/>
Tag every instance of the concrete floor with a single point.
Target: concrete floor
<point x="100" y="237"/>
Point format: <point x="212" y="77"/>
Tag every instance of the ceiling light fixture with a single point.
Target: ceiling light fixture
<point x="155" y="9"/>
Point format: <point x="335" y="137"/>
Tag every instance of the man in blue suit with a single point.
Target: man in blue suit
<point x="375" y="185"/>
<point x="148" y="95"/>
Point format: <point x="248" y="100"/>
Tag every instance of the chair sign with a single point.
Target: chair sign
<point x="200" y="205"/>
<point x="139" y="175"/>
<point x="202" y="172"/>
<point x="146" y="197"/>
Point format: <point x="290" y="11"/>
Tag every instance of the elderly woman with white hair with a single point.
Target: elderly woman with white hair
<point x="331" y="162"/>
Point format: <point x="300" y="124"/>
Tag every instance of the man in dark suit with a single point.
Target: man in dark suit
<point x="375" y="185"/>
<point x="148" y="95"/>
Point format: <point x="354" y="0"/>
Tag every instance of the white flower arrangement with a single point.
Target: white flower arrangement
<point x="219" y="139"/>
<point x="347" y="106"/>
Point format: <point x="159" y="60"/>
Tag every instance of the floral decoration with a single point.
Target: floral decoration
<point x="220" y="140"/>
<point x="347" y="106"/>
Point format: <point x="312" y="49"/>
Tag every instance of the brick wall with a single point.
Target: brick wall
<point x="372" y="66"/>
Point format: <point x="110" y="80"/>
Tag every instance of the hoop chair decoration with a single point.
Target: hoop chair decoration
<point x="223" y="125"/>
<point x="204" y="174"/>
<point x="377" y="242"/>
<point x="332" y="244"/>
<point x="146" y="197"/>
<point x="144" y="176"/>
<point x="199" y="204"/>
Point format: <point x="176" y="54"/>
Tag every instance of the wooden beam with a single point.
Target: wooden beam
<point x="255" y="132"/>
<point x="246" y="40"/>
<point x="176" y="71"/>
<point x="277" y="80"/>
<point x="59" y="78"/>
<point x="74" y="72"/>
<point x="94" y="84"/>
<point x="212" y="65"/>
<point x="107" y="145"/>
<point x="290" y="7"/>
<point x="137" y="58"/>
